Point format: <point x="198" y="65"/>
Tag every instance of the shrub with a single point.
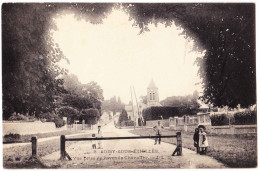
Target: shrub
<point x="51" y="117"/>
<point x="127" y="123"/>
<point x="66" y="111"/>
<point x="245" y="118"/>
<point x="155" y="113"/>
<point x="219" y="120"/>
<point x="90" y="116"/>
<point x="122" y="116"/>
<point x="58" y="121"/>
<point x="18" y="117"/>
<point x="32" y="118"/>
<point x="48" y="116"/>
<point x="12" y="137"/>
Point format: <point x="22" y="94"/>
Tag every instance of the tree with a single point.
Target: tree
<point x="91" y="116"/>
<point x="94" y="94"/>
<point x="81" y="96"/>
<point x="30" y="72"/>
<point x="226" y="32"/>
<point x="113" y="104"/>
<point x="30" y="79"/>
<point x="186" y="105"/>
<point x="69" y="112"/>
<point x="195" y="95"/>
<point x="123" y="116"/>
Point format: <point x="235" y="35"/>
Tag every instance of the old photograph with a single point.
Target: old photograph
<point x="129" y="85"/>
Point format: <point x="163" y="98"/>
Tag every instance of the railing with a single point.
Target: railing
<point x="64" y="154"/>
<point x="63" y="139"/>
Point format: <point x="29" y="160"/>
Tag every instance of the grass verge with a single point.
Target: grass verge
<point x="19" y="156"/>
<point x="236" y="151"/>
<point x="27" y="138"/>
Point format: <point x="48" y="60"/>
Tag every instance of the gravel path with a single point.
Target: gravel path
<point x="138" y="153"/>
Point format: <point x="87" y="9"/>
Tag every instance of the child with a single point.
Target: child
<point x="99" y="135"/>
<point x="94" y="142"/>
<point x="203" y="141"/>
<point x="196" y="139"/>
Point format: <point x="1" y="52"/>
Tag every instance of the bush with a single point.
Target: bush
<point x="127" y="123"/>
<point x="90" y="116"/>
<point x="51" y="117"/>
<point x="219" y="120"/>
<point x="47" y="116"/>
<point x="58" y="122"/>
<point x="245" y="118"/>
<point x="122" y="116"/>
<point x="12" y="138"/>
<point x="155" y="113"/>
<point x="18" y="117"/>
<point x="66" y="111"/>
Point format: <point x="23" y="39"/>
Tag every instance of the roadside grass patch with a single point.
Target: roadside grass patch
<point x="13" y="138"/>
<point x="18" y="156"/>
<point x="236" y="151"/>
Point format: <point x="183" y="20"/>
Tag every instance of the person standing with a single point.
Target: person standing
<point x="158" y="128"/>
<point x="203" y="141"/>
<point x="196" y="139"/>
<point x="94" y="142"/>
<point x="99" y="135"/>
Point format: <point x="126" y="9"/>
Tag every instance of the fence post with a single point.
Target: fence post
<point x="62" y="147"/>
<point x="179" y="143"/>
<point x="178" y="149"/>
<point x="34" y="146"/>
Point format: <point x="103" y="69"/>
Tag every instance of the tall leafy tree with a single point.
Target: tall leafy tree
<point x="113" y="104"/>
<point x="226" y="32"/>
<point x="29" y="55"/>
<point x="187" y="105"/>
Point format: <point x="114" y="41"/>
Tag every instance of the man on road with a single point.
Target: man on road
<point x="158" y="128"/>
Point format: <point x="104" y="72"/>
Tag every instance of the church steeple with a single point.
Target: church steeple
<point x="152" y="84"/>
<point x="152" y="95"/>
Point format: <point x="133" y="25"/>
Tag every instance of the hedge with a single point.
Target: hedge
<point x="219" y="120"/>
<point x="155" y="113"/>
<point x="127" y="123"/>
<point x="240" y="118"/>
<point x="245" y="118"/>
<point x="12" y="138"/>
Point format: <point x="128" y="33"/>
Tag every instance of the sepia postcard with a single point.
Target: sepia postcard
<point x="129" y="85"/>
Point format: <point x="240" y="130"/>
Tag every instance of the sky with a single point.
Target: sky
<point x="116" y="56"/>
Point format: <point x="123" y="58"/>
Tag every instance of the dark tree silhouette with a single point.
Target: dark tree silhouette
<point x="226" y="32"/>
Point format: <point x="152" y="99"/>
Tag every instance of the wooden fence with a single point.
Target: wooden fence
<point x="63" y="139"/>
<point x="64" y="154"/>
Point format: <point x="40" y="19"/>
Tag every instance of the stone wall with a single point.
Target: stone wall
<point x="152" y="123"/>
<point x="27" y="128"/>
<point x="234" y="129"/>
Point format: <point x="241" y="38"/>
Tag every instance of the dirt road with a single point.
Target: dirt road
<point x="138" y="153"/>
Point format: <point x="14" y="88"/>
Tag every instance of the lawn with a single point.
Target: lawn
<point x="235" y="151"/>
<point x="27" y="138"/>
<point x="18" y="156"/>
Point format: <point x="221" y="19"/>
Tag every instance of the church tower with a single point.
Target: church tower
<point x="152" y="95"/>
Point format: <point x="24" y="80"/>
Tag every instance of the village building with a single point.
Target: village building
<point x="152" y="100"/>
<point x="152" y="95"/>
